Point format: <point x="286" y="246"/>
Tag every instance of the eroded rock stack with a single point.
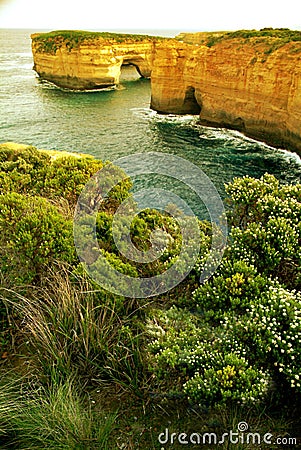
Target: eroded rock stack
<point x="83" y="60"/>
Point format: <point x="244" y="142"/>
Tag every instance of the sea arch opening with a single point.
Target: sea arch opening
<point x="134" y="67"/>
<point x="129" y="72"/>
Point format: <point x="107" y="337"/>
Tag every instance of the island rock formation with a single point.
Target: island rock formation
<point x="82" y="60"/>
<point x="246" y="80"/>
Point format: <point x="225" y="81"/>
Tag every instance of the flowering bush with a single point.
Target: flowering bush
<point x="266" y="229"/>
<point x="270" y="331"/>
<point x="213" y="363"/>
<point x="233" y="379"/>
<point x="242" y="330"/>
<point x="233" y="287"/>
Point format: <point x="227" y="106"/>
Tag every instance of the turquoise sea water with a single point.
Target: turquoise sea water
<point x="117" y="122"/>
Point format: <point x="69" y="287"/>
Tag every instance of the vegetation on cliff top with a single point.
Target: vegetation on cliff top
<point x="276" y="37"/>
<point x="51" y="41"/>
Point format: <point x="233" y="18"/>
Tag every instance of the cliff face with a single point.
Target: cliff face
<point x="89" y="63"/>
<point x="249" y="85"/>
<point x="250" y="81"/>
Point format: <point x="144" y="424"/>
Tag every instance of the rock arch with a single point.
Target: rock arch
<point x="91" y="64"/>
<point x="142" y="66"/>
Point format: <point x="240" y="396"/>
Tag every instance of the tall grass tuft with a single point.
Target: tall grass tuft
<point x="71" y="329"/>
<point x="56" y="417"/>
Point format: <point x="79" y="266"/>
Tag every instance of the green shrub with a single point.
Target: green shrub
<point x="211" y="366"/>
<point x="177" y="334"/>
<point x="149" y="231"/>
<point x="33" y="236"/>
<point x="238" y="335"/>
<point x="232" y="380"/>
<point x="22" y="170"/>
<point x="32" y="172"/>
<point x="234" y="286"/>
<point x="270" y="331"/>
<point x="67" y="176"/>
<point x="266" y="228"/>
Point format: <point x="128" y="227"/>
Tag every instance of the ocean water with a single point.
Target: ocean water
<point x="113" y="123"/>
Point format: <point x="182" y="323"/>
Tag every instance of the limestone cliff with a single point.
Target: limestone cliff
<point x="246" y="80"/>
<point x="89" y="60"/>
<point x="252" y="83"/>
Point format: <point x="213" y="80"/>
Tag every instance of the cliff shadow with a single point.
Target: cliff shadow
<point x="190" y="104"/>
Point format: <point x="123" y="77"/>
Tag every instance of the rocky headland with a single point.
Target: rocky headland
<point x="89" y="60"/>
<point x="245" y="80"/>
